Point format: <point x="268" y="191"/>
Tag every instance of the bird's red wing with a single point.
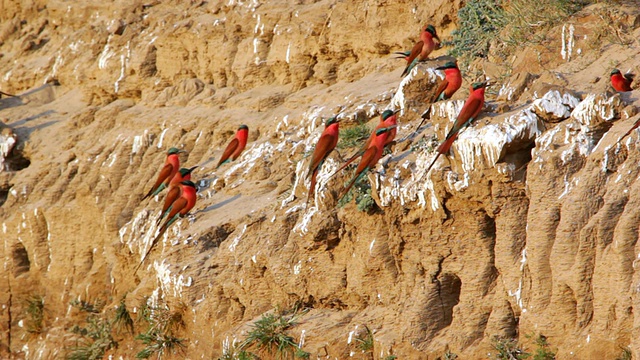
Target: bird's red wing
<point x="465" y="114"/>
<point x="166" y="170"/>
<point x="434" y="96"/>
<point x="233" y="145"/>
<point x="172" y="195"/>
<point x="191" y="202"/>
<point x="177" y="206"/>
<point x="323" y="148"/>
<point x="417" y="49"/>
<point x="367" y="159"/>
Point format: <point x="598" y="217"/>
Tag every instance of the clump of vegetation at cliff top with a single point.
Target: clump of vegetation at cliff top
<point x="506" y="25"/>
<point x="34" y="310"/>
<point x="269" y="335"/>
<point x="162" y="327"/>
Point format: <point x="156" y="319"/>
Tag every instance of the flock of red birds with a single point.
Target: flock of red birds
<point x="181" y="195"/>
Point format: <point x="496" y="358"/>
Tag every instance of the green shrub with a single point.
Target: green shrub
<point x="353" y="136"/>
<point x="34" y="309"/>
<point x="508" y="349"/>
<point x="269" y="335"/>
<point x="162" y="326"/>
<point x="509" y="24"/>
<point x="365" y="342"/>
<point x="96" y="339"/>
<point x="122" y="319"/>
<point x="361" y="190"/>
<point x="479" y="23"/>
<point x="543" y="350"/>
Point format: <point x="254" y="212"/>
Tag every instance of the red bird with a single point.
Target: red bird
<point x="236" y="146"/>
<point x="179" y="208"/>
<point x="469" y="112"/>
<point x="388" y="119"/>
<point x="447" y="87"/>
<point x="175" y="189"/>
<point x="182" y="175"/>
<point x="621" y="82"/>
<point x="370" y="157"/>
<point x="168" y="171"/>
<point x="422" y="48"/>
<point x="326" y="144"/>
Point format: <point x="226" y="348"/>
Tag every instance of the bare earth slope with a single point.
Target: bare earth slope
<point x="529" y="226"/>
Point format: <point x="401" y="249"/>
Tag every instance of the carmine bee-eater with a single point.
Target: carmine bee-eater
<point x="236" y="146"/>
<point x="388" y="118"/>
<point x="181" y="175"/>
<point x="370" y="157"/>
<point x="327" y="142"/>
<point x="446" y="88"/>
<point x="180" y="207"/>
<point x="621" y="82"/>
<point x="449" y="85"/>
<point x="468" y="113"/>
<point x="168" y="171"/>
<point x="175" y="189"/>
<point x="422" y="48"/>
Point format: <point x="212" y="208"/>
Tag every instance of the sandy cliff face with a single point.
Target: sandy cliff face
<point x="529" y="226"/>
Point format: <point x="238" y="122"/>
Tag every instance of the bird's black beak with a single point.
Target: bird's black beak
<point x="396" y="111"/>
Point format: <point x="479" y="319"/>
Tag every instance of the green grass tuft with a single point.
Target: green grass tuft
<point x="96" y="339"/>
<point x="365" y="342"/>
<point x="353" y="136"/>
<point x="162" y="325"/>
<point x="501" y="27"/>
<point x="34" y="309"/>
<point x="361" y="190"/>
<point x="122" y="319"/>
<point x="269" y="335"/>
<point x="508" y="349"/>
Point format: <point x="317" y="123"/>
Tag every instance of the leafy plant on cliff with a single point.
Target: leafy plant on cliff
<point x="162" y="326"/>
<point x="353" y="136"/>
<point x="365" y="341"/>
<point x="505" y="24"/>
<point x="269" y="335"/>
<point x="479" y="22"/>
<point x="34" y="309"/>
<point x="361" y="190"/>
<point x="508" y="349"/>
<point x="95" y="339"/>
<point x="543" y="349"/>
<point x="122" y="319"/>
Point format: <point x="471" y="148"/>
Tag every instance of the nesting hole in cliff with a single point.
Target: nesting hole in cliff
<point x="21" y="263"/>
<point x="450" y="285"/>
<point x="215" y="236"/>
<point x="4" y="194"/>
<point x="16" y="161"/>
